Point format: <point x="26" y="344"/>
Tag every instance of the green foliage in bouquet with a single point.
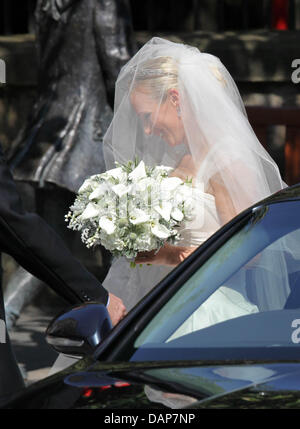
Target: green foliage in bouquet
<point x="131" y="208"/>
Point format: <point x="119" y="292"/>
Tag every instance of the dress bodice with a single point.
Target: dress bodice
<point x="204" y="223"/>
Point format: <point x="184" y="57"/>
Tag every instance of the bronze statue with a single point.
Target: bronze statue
<point x="82" y="45"/>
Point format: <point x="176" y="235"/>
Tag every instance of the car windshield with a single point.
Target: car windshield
<point x="246" y="295"/>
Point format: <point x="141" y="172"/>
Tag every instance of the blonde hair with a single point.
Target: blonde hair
<point x="157" y="76"/>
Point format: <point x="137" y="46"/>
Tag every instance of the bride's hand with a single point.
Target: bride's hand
<point x="167" y="255"/>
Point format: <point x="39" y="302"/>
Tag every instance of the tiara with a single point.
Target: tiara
<point x="144" y="72"/>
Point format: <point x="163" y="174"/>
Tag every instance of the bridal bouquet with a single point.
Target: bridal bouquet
<point x="131" y="208"/>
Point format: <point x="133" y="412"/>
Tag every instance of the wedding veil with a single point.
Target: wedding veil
<point x="218" y="137"/>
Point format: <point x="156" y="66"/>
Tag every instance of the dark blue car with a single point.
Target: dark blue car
<point x="222" y="330"/>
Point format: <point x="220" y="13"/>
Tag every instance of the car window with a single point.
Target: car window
<point x="247" y="294"/>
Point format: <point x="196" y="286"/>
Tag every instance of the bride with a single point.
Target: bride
<point x="180" y="107"/>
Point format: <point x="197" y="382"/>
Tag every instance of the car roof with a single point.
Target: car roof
<point x="287" y="194"/>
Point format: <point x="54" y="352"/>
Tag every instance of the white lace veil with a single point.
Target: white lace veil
<point x="218" y="137"/>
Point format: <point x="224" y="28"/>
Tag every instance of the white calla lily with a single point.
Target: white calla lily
<point x="138" y="216"/>
<point x="177" y="214"/>
<point x="160" y="231"/>
<point x="86" y="184"/>
<point x="139" y="172"/>
<point x="116" y="173"/>
<point x="98" y="192"/>
<point x="164" y="210"/>
<point x="169" y="184"/>
<point x="107" y="225"/>
<point x="121" y="189"/>
<point x="143" y="183"/>
<point x="90" y="211"/>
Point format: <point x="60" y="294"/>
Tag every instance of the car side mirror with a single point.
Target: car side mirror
<point x="79" y="330"/>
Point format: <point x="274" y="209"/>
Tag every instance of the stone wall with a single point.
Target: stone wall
<point x="259" y="61"/>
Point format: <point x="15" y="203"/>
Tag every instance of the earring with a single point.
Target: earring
<point x="178" y="111"/>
